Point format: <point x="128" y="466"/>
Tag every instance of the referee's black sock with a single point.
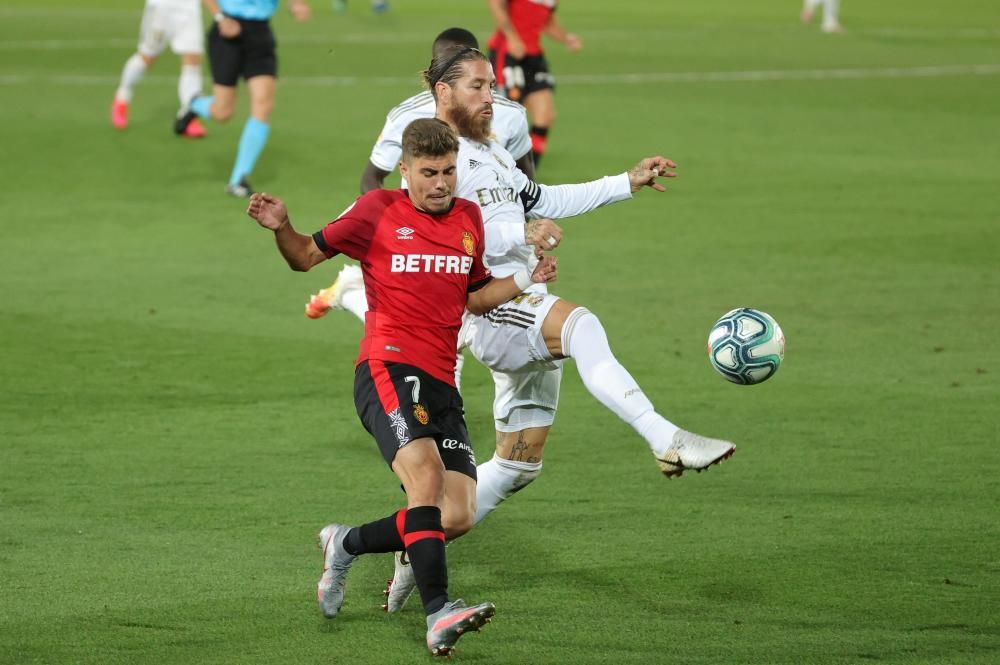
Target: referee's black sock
<point x="384" y="535"/>
<point x="424" y="540"/>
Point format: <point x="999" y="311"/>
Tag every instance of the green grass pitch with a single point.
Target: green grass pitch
<point x="173" y="431"/>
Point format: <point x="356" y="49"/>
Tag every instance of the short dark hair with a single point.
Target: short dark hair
<point x="451" y="38"/>
<point x="446" y="67"/>
<point x="428" y="137"/>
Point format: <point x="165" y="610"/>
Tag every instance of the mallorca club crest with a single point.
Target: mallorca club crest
<point x="468" y="244"/>
<point x="420" y="413"/>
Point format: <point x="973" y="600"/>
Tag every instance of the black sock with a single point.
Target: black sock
<point x="424" y="539"/>
<point x="384" y="535"/>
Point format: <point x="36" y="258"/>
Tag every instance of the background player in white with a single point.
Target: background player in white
<point x="176" y="23"/>
<point x="510" y="129"/>
<point x="831" y="14"/>
<point x="241" y="44"/>
<point x="510" y="124"/>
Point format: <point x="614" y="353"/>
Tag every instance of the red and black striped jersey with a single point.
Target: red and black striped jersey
<point x="418" y="270"/>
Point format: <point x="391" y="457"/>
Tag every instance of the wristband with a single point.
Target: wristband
<point x="219" y="17"/>
<point x="522" y="279"/>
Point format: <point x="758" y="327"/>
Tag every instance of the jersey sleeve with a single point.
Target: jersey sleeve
<point x="519" y="143"/>
<point x="351" y="233"/>
<point x="562" y="201"/>
<point x="388" y="149"/>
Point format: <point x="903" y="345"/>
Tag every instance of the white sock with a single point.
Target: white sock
<point x="356" y="302"/>
<point x="498" y="479"/>
<point x="811" y="5"/>
<point x="189" y="84"/>
<point x="132" y="73"/>
<point x="584" y="339"/>
<point x="831" y="10"/>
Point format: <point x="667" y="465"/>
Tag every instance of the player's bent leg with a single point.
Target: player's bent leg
<point x="346" y="292"/>
<point x="541" y="108"/>
<point x="220" y="107"/>
<point x="419" y="468"/>
<point x="188" y="88"/>
<point x="457" y="515"/>
<point x="133" y="71"/>
<point x="516" y="463"/>
<point x="222" y="103"/>
<point x="575" y="332"/>
<point x="459" y="507"/>
<point x="255" y="134"/>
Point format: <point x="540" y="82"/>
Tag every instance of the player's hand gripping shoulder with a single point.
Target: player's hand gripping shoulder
<point x="544" y="234"/>
<point x="645" y="173"/>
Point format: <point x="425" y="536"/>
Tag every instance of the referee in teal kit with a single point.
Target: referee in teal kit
<point x="241" y="43"/>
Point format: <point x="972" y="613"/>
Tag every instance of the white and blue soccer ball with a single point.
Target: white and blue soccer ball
<point x="746" y="346"/>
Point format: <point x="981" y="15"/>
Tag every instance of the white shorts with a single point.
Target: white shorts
<point x="509" y="341"/>
<point x="180" y="28"/>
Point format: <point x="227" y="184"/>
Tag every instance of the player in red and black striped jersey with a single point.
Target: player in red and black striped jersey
<point x="421" y="253"/>
<point x="518" y="60"/>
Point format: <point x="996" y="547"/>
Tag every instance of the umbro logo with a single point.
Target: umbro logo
<point x="404" y="233"/>
<point x="473" y="164"/>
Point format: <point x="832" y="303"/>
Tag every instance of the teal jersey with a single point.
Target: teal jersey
<point x="254" y="10"/>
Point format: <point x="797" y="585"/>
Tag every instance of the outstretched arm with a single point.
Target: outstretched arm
<point x="498" y="291"/>
<point x="561" y="201"/>
<point x="300" y="251"/>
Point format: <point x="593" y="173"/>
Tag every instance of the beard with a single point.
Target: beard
<point x="471" y="125"/>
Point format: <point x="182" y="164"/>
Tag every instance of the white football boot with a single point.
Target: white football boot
<point x="332" y="297"/>
<point x="445" y="626"/>
<point x="401" y="586"/>
<point x="692" y="452"/>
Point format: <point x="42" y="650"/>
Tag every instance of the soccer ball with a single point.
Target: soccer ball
<point x="746" y="346"/>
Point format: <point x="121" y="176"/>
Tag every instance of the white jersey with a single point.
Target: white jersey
<point x="510" y="128"/>
<point x="488" y="176"/>
<point x="193" y="6"/>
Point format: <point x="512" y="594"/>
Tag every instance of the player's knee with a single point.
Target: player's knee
<point x="457" y="523"/>
<point x="262" y="111"/>
<point x="222" y="112"/>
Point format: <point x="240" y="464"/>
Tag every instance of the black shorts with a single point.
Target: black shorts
<point x="398" y="403"/>
<point x="251" y="53"/>
<point x="516" y="79"/>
